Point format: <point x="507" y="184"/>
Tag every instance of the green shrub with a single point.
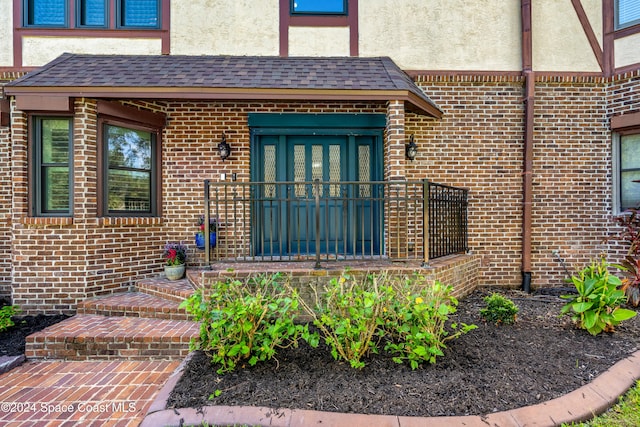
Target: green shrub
<point x="349" y="315"/>
<point x="416" y="324"/>
<point x="6" y="313"/>
<point x="355" y="315"/>
<point x="246" y="321"/>
<point x="596" y="307"/>
<point x="499" y="310"/>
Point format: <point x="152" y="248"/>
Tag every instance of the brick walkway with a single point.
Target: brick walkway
<point x="103" y="393"/>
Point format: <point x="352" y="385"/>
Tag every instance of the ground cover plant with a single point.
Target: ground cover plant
<point x="499" y="310"/>
<point x="597" y="305"/>
<point x="493" y="368"/>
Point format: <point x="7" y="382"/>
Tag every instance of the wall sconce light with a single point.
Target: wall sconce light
<point x="223" y="148"/>
<point x="412" y="149"/>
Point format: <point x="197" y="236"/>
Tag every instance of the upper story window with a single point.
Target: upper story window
<point x="46" y="13"/>
<point x="319" y="7"/>
<point x="92" y="13"/>
<point x="52" y="172"/>
<point x="627" y="13"/>
<point x="138" y="13"/>
<point x="129" y="14"/>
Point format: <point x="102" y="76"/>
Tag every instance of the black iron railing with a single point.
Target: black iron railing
<point x="327" y="221"/>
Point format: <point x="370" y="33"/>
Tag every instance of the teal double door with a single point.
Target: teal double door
<point x="309" y="195"/>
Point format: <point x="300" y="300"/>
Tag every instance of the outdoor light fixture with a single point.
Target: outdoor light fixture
<point x="223" y="148"/>
<point x="412" y="149"/>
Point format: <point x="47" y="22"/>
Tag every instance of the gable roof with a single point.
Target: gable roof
<point x="224" y="77"/>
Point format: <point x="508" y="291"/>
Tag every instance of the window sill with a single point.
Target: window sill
<point x="120" y="221"/>
<point x="40" y="221"/>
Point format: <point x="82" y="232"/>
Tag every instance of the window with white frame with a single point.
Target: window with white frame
<point x="627" y="13"/>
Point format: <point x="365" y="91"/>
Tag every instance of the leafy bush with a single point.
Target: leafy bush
<point x="416" y="324"/>
<point x="631" y="282"/>
<point x="629" y="233"/>
<point x="246" y="320"/>
<point x="355" y="315"/>
<point x="349" y="315"/>
<point x="6" y="313"/>
<point x="596" y="307"/>
<point x="499" y="310"/>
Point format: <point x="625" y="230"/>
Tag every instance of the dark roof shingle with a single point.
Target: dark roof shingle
<point x="221" y="72"/>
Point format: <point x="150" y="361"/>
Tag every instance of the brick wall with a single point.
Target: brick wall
<point x="477" y="145"/>
<point x="571" y="176"/>
<point x="5" y="210"/>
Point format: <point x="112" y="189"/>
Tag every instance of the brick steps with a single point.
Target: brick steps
<point x="133" y="304"/>
<point x="85" y="337"/>
<point x="144" y="324"/>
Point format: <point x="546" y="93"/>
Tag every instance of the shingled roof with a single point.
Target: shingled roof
<point x="224" y="77"/>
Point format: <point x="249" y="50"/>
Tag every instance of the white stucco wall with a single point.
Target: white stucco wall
<point x="318" y="41"/>
<point x="443" y="34"/>
<point x="6" y="33"/>
<point x="559" y="41"/>
<point x="593" y="9"/>
<point x="38" y="51"/>
<point x="225" y="27"/>
<point x="627" y="50"/>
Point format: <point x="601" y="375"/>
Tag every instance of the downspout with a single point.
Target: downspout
<point x="527" y="179"/>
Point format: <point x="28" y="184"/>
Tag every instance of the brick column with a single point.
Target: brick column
<point x="394" y="170"/>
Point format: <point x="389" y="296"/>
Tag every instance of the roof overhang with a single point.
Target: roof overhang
<point x="32" y="93"/>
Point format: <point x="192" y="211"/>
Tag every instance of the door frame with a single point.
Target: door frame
<point x="283" y="125"/>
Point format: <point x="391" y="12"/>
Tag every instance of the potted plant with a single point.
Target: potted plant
<point x="175" y="256"/>
<point x="213" y="227"/>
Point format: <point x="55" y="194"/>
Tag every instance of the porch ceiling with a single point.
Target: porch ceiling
<point x="223" y="77"/>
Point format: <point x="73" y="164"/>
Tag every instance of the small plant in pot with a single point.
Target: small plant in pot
<point x="213" y="227"/>
<point x="175" y="256"/>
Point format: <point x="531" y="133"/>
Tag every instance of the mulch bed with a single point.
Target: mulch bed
<point x="12" y="340"/>
<point x="493" y="368"/>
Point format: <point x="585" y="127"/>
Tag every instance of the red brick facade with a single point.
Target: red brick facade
<point x="49" y="265"/>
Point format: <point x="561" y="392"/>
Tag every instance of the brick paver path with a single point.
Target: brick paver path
<point x="100" y="393"/>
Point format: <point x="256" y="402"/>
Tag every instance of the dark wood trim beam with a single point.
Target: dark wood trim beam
<point x="608" y="62"/>
<point x="354" y="35"/>
<point x="119" y="111"/>
<point x="416" y="103"/>
<point x="17" y="40"/>
<point x="588" y="30"/>
<point x="284" y="28"/>
<point x="625" y="121"/>
<point x="634" y="29"/>
<point x="40" y="102"/>
<point x="165" y="35"/>
<point x="5" y="112"/>
<point x="627" y="69"/>
<point x="527" y="43"/>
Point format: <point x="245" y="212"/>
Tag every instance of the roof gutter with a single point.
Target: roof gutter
<point x="527" y="178"/>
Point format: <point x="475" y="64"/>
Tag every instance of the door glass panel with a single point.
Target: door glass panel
<point x="299" y="163"/>
<point x="270" y="170"/>
<point x="364" y="169"/>
<point x="334" y="169"/>
<point x="316" y="166"/>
